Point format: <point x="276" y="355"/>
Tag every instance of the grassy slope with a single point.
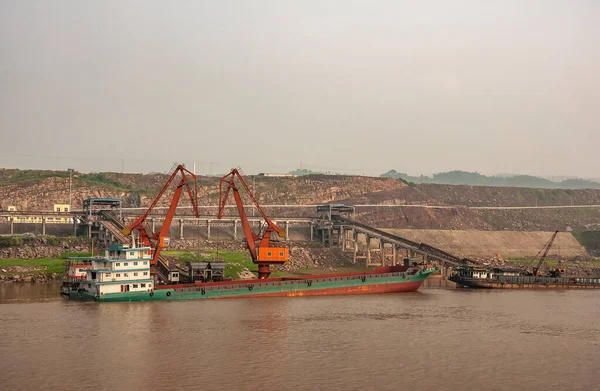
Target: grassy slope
<point x="550" y="262"/>
<point x="238" y="261"/>
<point x="52" y="265"/>
<point x="590" y="240"/>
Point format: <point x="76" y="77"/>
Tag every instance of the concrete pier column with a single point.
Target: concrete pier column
<point x="235" y="224"/>
<point x="208" y="229"/>
<point x="355" y="252"/>
<point x="180" y="228"/>
<point x="330" y="233"/>
<point x="287" y="231"/>
<point x="89" y="230"/>
<point x="74" y="227"/>
<point x="394" y="255"/>
<point x="368" y="238"/>
<point x="12" y="225"/>
<point x="382" y="251"/>
<point x="342" y="238"/>
<point x="152" y="224"/>
<point x="425" y="258"/>
<point x="323" y="236"/>
<point x="43" y="226"/>
<point x="312" y="229"/>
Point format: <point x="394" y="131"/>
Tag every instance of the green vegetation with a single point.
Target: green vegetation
<point x="524" y="262"/>
<point x="100" y="178"/>
<point x="16" y="240"/>
<point x="50" y="265"/>
<point x="236" y="261"/>
<point x="476" y="179"/>
<point x="14" y="177"/>
<point x="590" y="240"/>
<point x="550" y="262"/>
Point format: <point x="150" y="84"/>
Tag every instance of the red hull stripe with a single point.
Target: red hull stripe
<point x="352" y="290"/>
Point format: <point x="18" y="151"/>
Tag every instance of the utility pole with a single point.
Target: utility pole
<point x="254" y="193"/>
<point x="70" y="186"/>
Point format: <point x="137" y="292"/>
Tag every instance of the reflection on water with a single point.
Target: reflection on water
<point x="429" y="340"/>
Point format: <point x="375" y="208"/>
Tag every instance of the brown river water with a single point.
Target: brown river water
<point x="435" y="339"/>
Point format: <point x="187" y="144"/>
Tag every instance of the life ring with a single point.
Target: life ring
<point x="202" y="291"/>
<point x="151" y="294"/>
<point x="250" y="287"/>
<point x="309" y="282"/>
<point x="168" y="293"/>
<point x="363" y="278"/>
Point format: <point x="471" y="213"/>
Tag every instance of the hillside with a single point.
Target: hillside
<point x="39" y="190"/>
<point x="476" y="179"/>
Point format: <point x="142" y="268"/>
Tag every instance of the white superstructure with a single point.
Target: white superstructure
<point x="121" y="269"/>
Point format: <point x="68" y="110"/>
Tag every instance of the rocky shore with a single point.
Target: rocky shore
<point x="27" y="274"/>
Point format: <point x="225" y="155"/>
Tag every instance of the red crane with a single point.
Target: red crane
<point x="161" y="238"/>
<point x="262" y="254"/>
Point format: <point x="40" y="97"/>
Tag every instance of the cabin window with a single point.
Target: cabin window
<point x="145" y="262"/>
<point x="175" y="274"/>
<point x="131" y="253"/>
<point x="90" y="286"/>
<point x="142" y="285"/>
<point x="281" y="254"/>
<point x="135" y="285"/>
<point x="118" y="264"/>
<point x="149" y="285"/>
<point x="145" y="273"/>
<point x="118" y="275"/>
<point x="269" y="254"/>
<point x="107" y="274"/>
<point x="125" y="264"/>
<point x="125" y="274"/>
<point x="135" y="264"/>
<point x="135" y="274"/>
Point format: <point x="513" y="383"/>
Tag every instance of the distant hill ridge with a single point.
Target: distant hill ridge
<point x="476" y="179"/>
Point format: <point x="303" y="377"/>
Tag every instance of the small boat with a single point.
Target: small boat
<point x="75" y="273"/>
<point x="507" y="278"/>
<point x="123" y="274"/>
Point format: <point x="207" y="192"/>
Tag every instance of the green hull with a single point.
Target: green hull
<point x="311" y="286"/>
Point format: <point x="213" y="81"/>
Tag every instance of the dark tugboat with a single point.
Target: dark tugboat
<point x="508" y="278"/>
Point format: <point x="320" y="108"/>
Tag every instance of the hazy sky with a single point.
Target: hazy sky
<point x="350" y="86"/>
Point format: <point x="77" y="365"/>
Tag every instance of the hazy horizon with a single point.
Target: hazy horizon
<point x="353" y="87"/>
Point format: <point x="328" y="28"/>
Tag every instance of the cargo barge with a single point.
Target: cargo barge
<point x="123" y="274"/>
<point x="481" y="277"/>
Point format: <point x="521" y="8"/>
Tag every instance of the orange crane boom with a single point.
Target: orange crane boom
<point x="161" y="238"/>
<point x="262" y="254"/>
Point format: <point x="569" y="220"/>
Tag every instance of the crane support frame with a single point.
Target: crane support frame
<point x="161" y="238"/>
<point x="264" y="254"/>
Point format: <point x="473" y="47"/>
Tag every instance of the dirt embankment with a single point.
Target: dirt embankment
<point x="505" y="244"/>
